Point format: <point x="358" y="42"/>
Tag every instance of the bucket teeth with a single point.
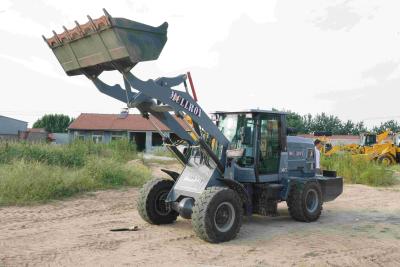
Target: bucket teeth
<point x="105" y="44"/>
<point x="79" y="31"/>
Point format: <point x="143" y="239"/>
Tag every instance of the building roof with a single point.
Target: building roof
<point x="251" y="111"/>
<point x="13" y="119"/>
<point x="37" y="130"/>
<point x="115" y="122"/>
<point x="333" y="137"/>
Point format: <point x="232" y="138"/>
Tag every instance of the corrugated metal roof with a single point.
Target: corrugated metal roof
<point x="13" y="119"/>
<point x="114" y="122"/>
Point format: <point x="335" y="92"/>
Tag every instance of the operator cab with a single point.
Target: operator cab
<point x="396" y="139"/>
<point x="257" y="138"/>
<point x="368" y="139"/>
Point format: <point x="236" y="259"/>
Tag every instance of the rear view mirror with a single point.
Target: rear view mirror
<point x="246" y="135"/>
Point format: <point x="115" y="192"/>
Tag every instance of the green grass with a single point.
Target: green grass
<point x="360" y="171"/>
<point x="32" y="173"/>
<point x="162" y="152"/>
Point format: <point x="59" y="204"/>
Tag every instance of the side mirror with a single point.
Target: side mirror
<point x="246" y="135"/>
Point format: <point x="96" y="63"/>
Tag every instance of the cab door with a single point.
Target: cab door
<point x="270" y="147"/>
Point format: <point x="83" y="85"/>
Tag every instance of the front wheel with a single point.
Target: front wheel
<point x="217" y="215"/>
<point x="305" y="201"/>
<point x="151" y="204"/>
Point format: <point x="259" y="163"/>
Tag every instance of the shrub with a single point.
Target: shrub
<point x="162" y="152"/>
<point x="22" y="182"/>
<point x="111" y="173"/>
<point x="45" y="153"/>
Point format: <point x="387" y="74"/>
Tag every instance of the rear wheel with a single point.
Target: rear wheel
<point x="386" y="160"/>
<point x="217" y="215"/>
<point x="151" y="204"/>
<point x="305" y="201"/>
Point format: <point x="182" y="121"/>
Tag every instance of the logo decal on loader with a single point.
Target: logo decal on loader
<point x="186" y="104"/>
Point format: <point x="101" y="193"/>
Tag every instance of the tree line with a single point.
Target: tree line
<point x="303" y="124"/>
<point x="308" y="124"/>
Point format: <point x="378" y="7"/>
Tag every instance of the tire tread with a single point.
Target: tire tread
<point x="200" y="221"/>
<point x="145" y="198"/>
<point x="295" y="203"/>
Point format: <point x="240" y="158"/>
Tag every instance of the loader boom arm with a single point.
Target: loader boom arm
<point x="156" y="97"/>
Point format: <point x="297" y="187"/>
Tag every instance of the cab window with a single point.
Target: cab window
<point x="270" y="143"/>
<point x="235" y="127"/>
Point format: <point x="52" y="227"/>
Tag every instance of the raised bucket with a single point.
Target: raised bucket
<point x="107" y="43"/>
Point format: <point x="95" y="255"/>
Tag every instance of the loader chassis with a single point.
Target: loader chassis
<point x="240" y="163"/>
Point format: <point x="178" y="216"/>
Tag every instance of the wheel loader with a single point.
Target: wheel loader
<point x="237" y="164"/>
<point x="373" y="147"/>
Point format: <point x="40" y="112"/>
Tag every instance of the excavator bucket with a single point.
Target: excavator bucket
<point x="107" y="43"/>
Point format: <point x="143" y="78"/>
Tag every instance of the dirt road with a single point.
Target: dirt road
<point x="361" y="228"/>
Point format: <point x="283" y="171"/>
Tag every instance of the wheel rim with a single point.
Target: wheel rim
<point x="312" y="201"/>
<point x="386" y="161"/>
<point x="224" y="216"/>
<point x="160" y="206"/>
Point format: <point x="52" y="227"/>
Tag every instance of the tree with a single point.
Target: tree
<point x="328" y="123"/>
<point x="347" y="127"/>
<point x="359" y="128"/>
<point x="308" y="123"/>
<point x="296" y="122"/>
<point x="54" y="123"/>
<point x="391" y="125"/>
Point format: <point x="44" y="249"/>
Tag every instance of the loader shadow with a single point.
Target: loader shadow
<point x="266" y="229"/>
<point x="261" y="228"/>
<point x="335" y="221"/>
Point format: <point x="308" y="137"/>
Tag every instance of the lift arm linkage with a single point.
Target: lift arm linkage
<point x="167" y="99"/>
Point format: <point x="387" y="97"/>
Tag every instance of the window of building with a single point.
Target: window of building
<point x="97" y="138"/>
<point x="117" y="135"/>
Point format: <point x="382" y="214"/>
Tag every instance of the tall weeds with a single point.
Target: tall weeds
<point x="40" y="172"/>
<point x="358" y="170"/>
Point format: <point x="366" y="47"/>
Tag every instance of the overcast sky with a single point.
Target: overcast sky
<point x="309" y="56"/>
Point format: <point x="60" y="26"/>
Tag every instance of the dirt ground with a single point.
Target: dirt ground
<point x="360" y="228"/>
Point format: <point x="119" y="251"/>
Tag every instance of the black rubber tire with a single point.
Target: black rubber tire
<point x="386" y="157"/>
<point x="297" y="202"/>
<point x="205" y="210"/>
<point x="147" y="202"/>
